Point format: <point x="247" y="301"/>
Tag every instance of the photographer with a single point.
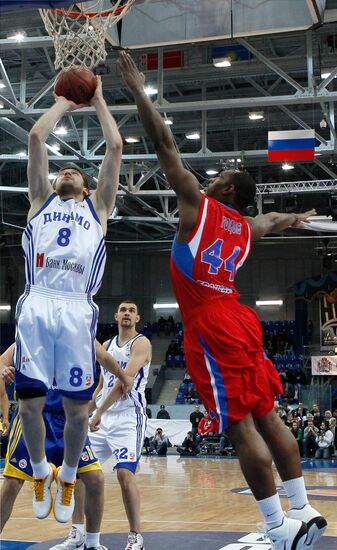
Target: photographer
<point x="324" y="441"/>
<point x="309" y="439"/>
<point x="159" y="443"/>
<point x="189" y="446"/>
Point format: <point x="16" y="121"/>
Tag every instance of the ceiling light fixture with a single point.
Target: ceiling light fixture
<point x="269" y="302"/>
<point x="211" y="172"/>
<point x="287" y="166"/>
<point x="52" y="176"/>
<point x="168" y="120"/>
<point x="256" y="115"/>
<point x="60" y="131"/>
<point x="192" y="135"/>
<point x="18" y="36"/>
<point x="169" y="305"/>
<point x="21" y="154"/>
<point x="2" y="85"/>
<point x="1" y="105"/>
<point x="222" y="62"/>
<point x="150" y="90"/>
<point x="5" y="308"/>
<point x="132" y="139"/>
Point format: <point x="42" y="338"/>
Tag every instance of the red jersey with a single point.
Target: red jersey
<point x="204" y="268"/>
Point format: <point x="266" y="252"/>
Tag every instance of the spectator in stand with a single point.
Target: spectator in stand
<point x="309" y="439"/>
<point x="163" y="414"/>
<point x="172" y="349"/>
<point x="148" y="412"/>
<point x="297" y="432"/>
<point x="189" y="446"/>
<point x="324" y="441"/>
<point x="290" y="419"/>
<point x="207" y="426"/>
<point x="195" y="418"/>
<point x="327" y="416"/>
<point x="162" y="323"/>
<point x="170" y="326"/>
<point x="301" y="413"/>
<point x="187" y="378"/>
<point x="316" y="412"/>
<point x="284" y="380"/>
<point x="159" y="443"/>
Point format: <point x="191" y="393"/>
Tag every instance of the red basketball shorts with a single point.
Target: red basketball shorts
<point x="224" y="357"/>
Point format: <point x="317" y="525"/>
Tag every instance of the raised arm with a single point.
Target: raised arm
<point x="140" y="355"/>
<point x="183" y="182"/>
<point x="37" y="171"/>
<point x="105" y="195"/>
<point x="274" y="222"/>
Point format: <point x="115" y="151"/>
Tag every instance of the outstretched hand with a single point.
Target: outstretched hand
<point x="132" y="77"/>
<point x="304" y="217"/>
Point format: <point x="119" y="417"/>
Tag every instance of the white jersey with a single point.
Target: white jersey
<point x="122" y="354"/>
<point x="64" y="246"/>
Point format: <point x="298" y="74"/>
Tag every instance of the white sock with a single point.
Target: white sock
<point x="40" y="469"/>
<point x="80" y="527"/>
<point x="67" y="473"/>
<point x="296" y="492"/>
<point x="92" y="540"/>
<point x="271" y="510"/>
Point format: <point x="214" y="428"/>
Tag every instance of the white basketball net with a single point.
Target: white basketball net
<point x="79" y="34"/>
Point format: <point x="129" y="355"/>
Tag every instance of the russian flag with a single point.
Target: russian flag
<point x="291" y="145"/>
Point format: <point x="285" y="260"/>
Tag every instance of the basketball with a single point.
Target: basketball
<point x="77" y="84"/>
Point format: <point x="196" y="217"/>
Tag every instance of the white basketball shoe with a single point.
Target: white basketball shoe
<point x="290" y="535"/>
<point x="135" y="542"/>
<point x="316" y="524"/>
<point x="64" y="501"/>
<point x="42" y="498"/>
<point x="74" y="541"/>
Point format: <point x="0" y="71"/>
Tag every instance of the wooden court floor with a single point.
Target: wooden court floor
<point x="177" y="495"/>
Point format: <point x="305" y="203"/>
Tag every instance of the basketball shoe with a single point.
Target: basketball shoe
<point x="74" y="541"/>
<point x="42" y="498"/>
<point x="64" y="501"/>
<point x="98" y="547"/>
<point x="316" y="524"/>
<point x="290" y="535"/>
<point x="135" y="542"/>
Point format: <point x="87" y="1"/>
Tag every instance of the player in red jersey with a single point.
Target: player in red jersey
<point x="223" y="338"/>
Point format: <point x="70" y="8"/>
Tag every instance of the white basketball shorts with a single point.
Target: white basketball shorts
<point x="121" y="437"/>
<point x="55" y="341"/>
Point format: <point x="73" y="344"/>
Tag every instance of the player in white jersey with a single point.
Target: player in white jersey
<point x="119" y="424"/>
<point x="56" y="317"/>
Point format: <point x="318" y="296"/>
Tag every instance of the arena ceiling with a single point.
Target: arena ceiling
<point x="277" y="66"/>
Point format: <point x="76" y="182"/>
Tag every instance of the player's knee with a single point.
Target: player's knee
<point x="93" y="481"/>
<point x="11" y="486"/>
<point x="30" y="408"/>
<point x="124" y="476"/>
<point x="77" y="416"/>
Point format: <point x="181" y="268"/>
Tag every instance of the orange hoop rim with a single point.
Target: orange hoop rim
<point x="89" y="15"/>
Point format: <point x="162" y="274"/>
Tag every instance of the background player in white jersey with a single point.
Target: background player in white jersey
<point x="56" y="318"/>
<point x="119" y="423"/>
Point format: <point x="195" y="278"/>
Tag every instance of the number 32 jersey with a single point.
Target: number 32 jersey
<point x="64" y="246"/>
<point x="203" y="269"/>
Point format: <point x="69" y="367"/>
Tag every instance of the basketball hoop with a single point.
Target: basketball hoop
<point x="79" y="35"/>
